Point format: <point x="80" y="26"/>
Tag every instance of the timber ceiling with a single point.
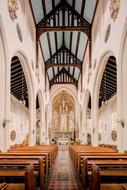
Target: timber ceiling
<point x="18" y="82"/>
<point x="108" y="87"/>
<point x="63" y="29"/>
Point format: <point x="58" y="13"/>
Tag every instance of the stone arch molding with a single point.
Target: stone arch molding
<point x="84" y="115"/>
<point x="31" y="92"/>
<point x="57" y="91"/>
<point x="99" y="73"/>
<point x="27" y="71"/>
<point x="4" y="95"/>
<point x="42" y="114"/>
<point x="95" y="90"/>
<point x="71" y="92"/>
<point x="122" y="68"/>
<point x="122" y="84"/>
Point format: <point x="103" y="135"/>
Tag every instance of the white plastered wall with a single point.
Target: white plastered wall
<point x="26" y="52"/>
<point x="101" y="51"/>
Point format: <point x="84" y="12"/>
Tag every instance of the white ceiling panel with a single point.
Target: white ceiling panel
<point x="89" y="10"/>
<point x="59" y="39"/>
<point x="45" y="47"/>
<point x="82" y="46"/>
<point x="55" y="70"/>
<point x="48" y="5"/>
<point x="67" y="39"/>
<point x="52" y="40"/>
<point x="76" y="73"/>
<point x="78" y="5"/>
<point x="70" y="2"/>
<point x="50" y="73"/>
<point x="74" y="42"/>
<point x="71" y="70"/>
<point x="57" y="2"/>
<point x="37" y="9"/>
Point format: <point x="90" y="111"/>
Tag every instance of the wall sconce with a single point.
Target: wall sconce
<point x="121" y="122"/>
<point x="5" y="121"/>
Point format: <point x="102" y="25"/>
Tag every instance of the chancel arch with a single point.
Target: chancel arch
<point x="105" y="101"/>
<point x="63" y="118"/>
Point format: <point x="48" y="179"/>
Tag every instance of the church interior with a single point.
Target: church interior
<point x="63" y="112"/>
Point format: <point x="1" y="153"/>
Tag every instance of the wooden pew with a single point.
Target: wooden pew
<point x="31" y="151"/>
<point x="123" y="187"/>
<point x="73" y="150"/>
<point x="27" y="173"/>
<point x="51" y="149"/>
<point x="37" y="163"/>
<point x="97" y="156"/>
<point x="87" y="165"/>
<point x="93" y="150"/>
<point x="3" y="186"/>
<point x="45" y="156"/>
<point x="105" y="166"/>
<point x="113" y="177"/>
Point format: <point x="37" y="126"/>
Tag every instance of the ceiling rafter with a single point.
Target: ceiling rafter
<point x="71" y="34"/>
<point x="79" y="33"/>
<point x="64" y="71"/>
<point x="63" y="77"/>
<point x="48" y="37"/>
<point x="62" y="17"/>
<point x="45" y="24"/>
<point x="63" y="57"/>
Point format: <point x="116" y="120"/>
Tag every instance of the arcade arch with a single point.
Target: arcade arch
<point x="105" y="100"/>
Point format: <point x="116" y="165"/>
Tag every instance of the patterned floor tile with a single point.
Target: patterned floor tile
<point x="63" y="176"/>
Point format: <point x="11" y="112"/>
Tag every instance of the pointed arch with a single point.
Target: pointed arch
<point x="96" y="88"/>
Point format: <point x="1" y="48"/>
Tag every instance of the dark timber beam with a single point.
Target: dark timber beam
<point x="63" y="65"/>
<point x="74" y="83"/>
<point x="84" y="29"/>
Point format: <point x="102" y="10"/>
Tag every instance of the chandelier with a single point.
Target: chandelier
<point x="105" y="101"/>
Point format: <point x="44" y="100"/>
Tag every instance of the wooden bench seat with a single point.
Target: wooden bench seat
<point x="98" y="156"/>
<point x="14" y="186"/>
<point x="9" y="173"/>
<point x="3" y="186"/>
<point x="30" y="155"/>
<point x="73" y="150"/>
<point x="51" y="149"/>
<point x="108" y="174"/>
<point x="87" y="167"/>
<point x="37" y="163"/>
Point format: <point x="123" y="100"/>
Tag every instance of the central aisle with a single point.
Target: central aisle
<point x="64" y="176"/>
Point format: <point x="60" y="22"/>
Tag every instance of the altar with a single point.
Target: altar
<point x="63" y="144"/>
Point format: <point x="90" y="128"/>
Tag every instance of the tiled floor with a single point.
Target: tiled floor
<point x="63" y="176"/>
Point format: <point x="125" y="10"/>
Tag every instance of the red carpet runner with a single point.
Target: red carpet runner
<point x="63" y="176"/>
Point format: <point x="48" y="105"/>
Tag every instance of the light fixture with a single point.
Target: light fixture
<point x="104" y="101"/>
<point x="22" y="100"/>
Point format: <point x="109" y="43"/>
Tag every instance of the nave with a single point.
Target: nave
<point x="63" y="86"/>
<point x="64" y="176"/>
<point x="45" y="167"/>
